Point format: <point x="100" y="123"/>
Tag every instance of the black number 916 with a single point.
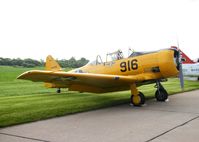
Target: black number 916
<point x="129" y="65"/>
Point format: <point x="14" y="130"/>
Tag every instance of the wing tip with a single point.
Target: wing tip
<point x="21" y="76"/>
<point x="24" y="75"/>
<point x="18" y="77"/>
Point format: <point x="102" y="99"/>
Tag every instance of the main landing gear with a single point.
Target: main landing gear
<point x="138" y="99"/>
<point x="161" y="94"/>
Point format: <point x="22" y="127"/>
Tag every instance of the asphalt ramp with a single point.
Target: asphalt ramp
<point x="174" y="120"/>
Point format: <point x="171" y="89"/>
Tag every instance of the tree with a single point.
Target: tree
<point x="17" y="62"/>
<point x="82" y="62"/>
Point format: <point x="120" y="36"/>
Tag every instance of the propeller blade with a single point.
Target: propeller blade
<point x="181" y="77"/>
<point x="180" y="60"/>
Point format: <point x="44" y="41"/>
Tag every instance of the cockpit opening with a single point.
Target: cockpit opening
<point x="117" y="55"/>
<point x="110" y="57"/>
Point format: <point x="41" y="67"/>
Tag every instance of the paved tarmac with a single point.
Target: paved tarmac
<point x="175" y="120"/>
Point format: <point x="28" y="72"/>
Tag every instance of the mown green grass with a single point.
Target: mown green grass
<point x="25" y="101"/>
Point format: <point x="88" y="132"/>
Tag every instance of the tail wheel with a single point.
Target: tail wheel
<point x="161" y="95"/>
<point x="58" y="90"/>
<point x="138" y="100"/>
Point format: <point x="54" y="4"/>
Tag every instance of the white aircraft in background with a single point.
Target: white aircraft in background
<point x="191" y="71"/>
<point x="190" y="68"/>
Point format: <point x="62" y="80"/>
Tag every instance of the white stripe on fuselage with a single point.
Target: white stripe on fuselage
<point x="191" y="70"/>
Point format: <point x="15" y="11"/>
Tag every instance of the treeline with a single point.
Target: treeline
<point x="71" y="63"/>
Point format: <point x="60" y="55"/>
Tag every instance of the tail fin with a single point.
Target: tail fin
<point x="51" y="64"/>
<point x="187" y="59"/>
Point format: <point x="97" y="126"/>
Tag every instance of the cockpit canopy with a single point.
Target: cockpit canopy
<point x="139" y="53"/>
<point x="117" y="55"/>
<point x="110" y="57"/>
<point x="97" y="61"/>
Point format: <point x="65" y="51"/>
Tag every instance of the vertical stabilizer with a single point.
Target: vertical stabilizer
<point x="51" y="64"/>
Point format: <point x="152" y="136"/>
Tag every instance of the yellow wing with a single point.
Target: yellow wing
<point x="88" y="81"/>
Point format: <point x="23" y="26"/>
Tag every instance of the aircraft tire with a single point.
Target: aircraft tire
<point x="161" y="95"/>
<point x="59" y="90"/>
<point x="138" y="100"/>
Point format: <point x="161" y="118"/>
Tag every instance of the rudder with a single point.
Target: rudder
<point x="51" y="64"/>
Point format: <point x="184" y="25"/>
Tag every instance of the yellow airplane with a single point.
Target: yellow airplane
<point x="116" y="74"/>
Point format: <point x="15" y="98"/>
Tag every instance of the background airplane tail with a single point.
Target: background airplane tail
<point x="51" y="64"/>
<point x="187" y="59"/>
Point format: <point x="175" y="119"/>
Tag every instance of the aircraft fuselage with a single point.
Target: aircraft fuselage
<point x="159" y="64"/>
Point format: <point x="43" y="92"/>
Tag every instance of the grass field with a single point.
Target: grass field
<point x="25" y="101"/>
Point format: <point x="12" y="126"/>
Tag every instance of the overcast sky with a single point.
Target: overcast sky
<point x="86" y="28"/>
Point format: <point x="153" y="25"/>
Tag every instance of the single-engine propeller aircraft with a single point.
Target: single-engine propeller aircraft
<point x="117" y="74"/>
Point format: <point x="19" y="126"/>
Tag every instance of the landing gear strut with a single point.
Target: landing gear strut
<point x="161" y="94"/>
<point x="58" y="90"/>
<point x="137" y="98"/>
